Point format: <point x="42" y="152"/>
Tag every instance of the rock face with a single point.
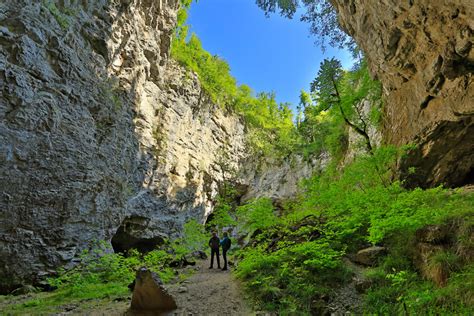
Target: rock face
<point x="100" y="132"/>
<point x="279" y="179"/>
<point x="423" y="53"/>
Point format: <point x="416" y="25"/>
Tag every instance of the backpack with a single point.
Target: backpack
<point x="226" y="244"/>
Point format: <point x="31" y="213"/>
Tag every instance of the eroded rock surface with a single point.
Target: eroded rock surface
<point x="423" y="53"/>
<point x="279" y="179"/>
<point x="98" y="127"/>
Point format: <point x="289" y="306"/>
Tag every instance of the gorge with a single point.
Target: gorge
<point x="107" y="137"/>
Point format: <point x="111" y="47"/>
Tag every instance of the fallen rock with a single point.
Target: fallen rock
<point x="199" y="255"/>
<point x="182" y="262"/>
<point x="182" y="289"/>
<point x="149" y="293"/>
<point x="369" y="256"/>
<point x="25" y="289"/>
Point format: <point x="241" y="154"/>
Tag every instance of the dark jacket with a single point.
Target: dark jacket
<point x="214" y="242"/>
<point x="225" y="243"/>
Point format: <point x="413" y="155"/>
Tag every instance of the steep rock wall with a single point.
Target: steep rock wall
<point x="99" y="132"/>
<point x="423" y="53"/>
<point x="279" y="179"/>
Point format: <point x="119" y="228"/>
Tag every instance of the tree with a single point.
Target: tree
<point x="321" y="15"/>
<point x="334" y="88"/>
<point x="325" y="85"/>
<point x="305" y="101"/>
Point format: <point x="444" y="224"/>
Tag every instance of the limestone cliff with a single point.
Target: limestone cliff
<point x="422" y="51"/>
<point x="101" y="134"/>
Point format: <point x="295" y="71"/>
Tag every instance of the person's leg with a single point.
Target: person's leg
<point x="218" y="259"/>
<point x="212" y="258"/>
<point x="224" y="255"/>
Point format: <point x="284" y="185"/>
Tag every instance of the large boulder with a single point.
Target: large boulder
<point x="149" y="293"/>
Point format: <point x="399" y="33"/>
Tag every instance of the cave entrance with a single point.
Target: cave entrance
<point x="135" y="233"/>
<point x="468" y="178"/>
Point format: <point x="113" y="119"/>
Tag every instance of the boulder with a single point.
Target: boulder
<point x="369" y="256"/>
<point x="25" y="289"/>
<point x="149" y="293"/>
<point x="199" y="255"/>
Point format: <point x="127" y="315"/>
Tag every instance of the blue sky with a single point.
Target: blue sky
<point x="268" y="54"/>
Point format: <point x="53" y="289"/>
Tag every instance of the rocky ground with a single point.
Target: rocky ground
<point x="206" y="292"/>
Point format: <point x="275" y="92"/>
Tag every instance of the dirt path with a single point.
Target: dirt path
<point x="209" y="292"/>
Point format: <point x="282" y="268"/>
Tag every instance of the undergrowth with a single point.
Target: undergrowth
<point x="293" y="261"/>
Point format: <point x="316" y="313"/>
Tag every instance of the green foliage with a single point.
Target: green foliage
<point x="271" y="124"/>
<point x="272" y="132"/>
<point x="406" y="293"/>
<point x="257" y="214"/>
<point x="194" y="239"/>
<point x="183" y="12"/>
<point x="363" y="197"/>
<point x="326" y="83"/>
<point x="213" y="72"/>
<point x="62" y="18"/>
<point x="340" y="211"/>
<point x="337" y="99"/>
<point x="320" y="14"/>
<point x="101" y="266"/>
<point x="102" y="274"/>
<point x="223" y="215"/>
<point x="286" y="270"/>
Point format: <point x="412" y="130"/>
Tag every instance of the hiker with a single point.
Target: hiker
<point x="225" y="243"/>
<point x="214" y="243"/>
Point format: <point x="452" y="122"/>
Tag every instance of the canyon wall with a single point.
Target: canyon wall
<point x="422" y="52"/>
<point x="102" y="136"/>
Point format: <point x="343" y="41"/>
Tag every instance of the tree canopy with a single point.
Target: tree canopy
<point x="320" y="14"/>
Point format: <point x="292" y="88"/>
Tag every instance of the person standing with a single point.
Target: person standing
<point x="225" y="243"/>
<point x="214" y="243"/>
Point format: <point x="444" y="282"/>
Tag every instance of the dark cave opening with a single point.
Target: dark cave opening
<point x="468" y="178"/>
<point x="132" y="234"/>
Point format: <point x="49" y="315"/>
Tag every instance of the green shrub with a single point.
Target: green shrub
<point x="257" y="214"/>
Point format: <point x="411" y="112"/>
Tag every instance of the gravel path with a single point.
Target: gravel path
<point x="209" y="292"/>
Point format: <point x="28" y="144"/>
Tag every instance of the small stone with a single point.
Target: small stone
<point x="182" y="289"/>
